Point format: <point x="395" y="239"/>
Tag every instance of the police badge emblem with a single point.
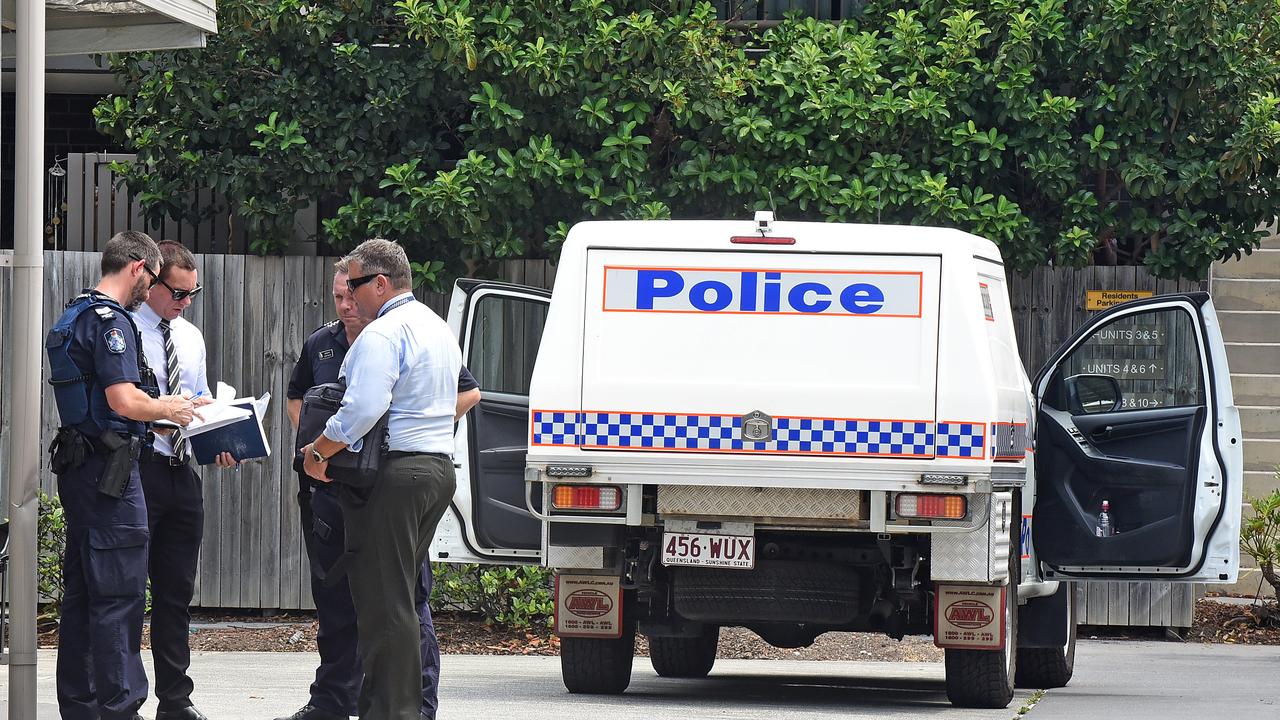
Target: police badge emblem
<point x="326" y="354"/>
<point x="757" y="427"/>
<point x="115" y="341"/>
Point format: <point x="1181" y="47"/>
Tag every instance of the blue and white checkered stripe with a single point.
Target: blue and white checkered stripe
<point x="721" y="433"/>
<point x="962" y="440"/>
<point x="662" y="431"/>
<point x="555" y="428"/>
<point x="855" y="437"/>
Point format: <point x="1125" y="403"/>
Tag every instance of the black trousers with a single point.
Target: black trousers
<point x="390" y="536"/>
<point x="338" y="676"/>
<point x="175" y="513"/>
<point x="100" y="674"/>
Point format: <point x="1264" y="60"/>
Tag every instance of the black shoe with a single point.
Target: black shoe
<point x="311" y="712"/>
<point x="186" y="713"/>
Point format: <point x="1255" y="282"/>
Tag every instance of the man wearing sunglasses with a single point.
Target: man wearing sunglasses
<point x="175" y="351"/>
<point x="338" y="677"/>
<point x="405" y="363"/>
<point x="106" y="396"/>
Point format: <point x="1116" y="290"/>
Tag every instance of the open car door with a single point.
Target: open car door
<point x="1136" y="410"/>
<point x="499" y="326"/>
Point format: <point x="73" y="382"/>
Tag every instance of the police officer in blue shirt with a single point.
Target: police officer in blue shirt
<point x="106" y="396"/>
<point x="333" y="694"/>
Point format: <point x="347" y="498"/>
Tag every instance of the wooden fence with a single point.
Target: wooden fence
<point x="92" y="203"/>
<point x="256" y="312"/>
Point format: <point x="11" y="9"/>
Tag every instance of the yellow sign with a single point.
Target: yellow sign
<point x="1103" y="299"/>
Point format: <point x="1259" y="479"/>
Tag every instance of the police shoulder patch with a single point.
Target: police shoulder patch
<point x="115" y="341"/>
<point x="104" y="312"/>
<point x="325" y="354"/>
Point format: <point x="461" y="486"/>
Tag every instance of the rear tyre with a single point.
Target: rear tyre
<point x="596" y="666"/>
<point x="685" y="657"/>
<point x="984" y="678"/>
<point x="1045" y="668"/>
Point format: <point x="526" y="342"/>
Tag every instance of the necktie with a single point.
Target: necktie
<point x="175" y="386"/>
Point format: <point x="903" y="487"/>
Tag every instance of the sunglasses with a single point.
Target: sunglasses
<point x="353" y="283"/>
<point x="154" y="277"/>
<point x="179" y="295"/>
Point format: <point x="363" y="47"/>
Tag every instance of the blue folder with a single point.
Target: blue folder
<point x="244" y="439"/>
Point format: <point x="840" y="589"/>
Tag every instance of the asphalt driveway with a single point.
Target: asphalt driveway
<point x="1134" y="680"/>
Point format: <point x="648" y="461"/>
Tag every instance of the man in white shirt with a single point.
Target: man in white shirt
<point x="175" y="501"/>
<point x="404" y="364"/>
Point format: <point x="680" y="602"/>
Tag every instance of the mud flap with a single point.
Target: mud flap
<point x="969" y="617"/>
<point x="588" y="606"/>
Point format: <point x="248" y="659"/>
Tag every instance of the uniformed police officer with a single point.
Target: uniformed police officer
<point x="333" y="694"/>
<point x="106" y="396"/>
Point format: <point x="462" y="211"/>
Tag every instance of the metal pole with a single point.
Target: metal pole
<point x="28" y="277"/>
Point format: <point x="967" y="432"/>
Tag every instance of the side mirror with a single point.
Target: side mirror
<point x="1090" y="394"/>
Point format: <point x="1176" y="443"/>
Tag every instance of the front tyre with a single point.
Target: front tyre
<point x="598" y="666"/>
<point x="1045" y="668"/>
<point x="984" y="678"/>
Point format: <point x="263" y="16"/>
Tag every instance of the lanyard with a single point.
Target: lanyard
<point x="395" y="305"/>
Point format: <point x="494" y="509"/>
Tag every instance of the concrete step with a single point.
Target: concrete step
<point x="1238" y="326"/>
<point x="1271" y="242"/>
<point x="1260" y="484"/>
<point x="1260" y="423"/>
<point x="1262" y="264"/>
<point x="1261" y="455"/>
<point x="1262" y="390"/>
<point x="1248" y="584"/>
<point x="1253" y="359"/>
<point x="1246" y="294"/>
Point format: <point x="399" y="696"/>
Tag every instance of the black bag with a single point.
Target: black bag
<point x="356" y="469"/>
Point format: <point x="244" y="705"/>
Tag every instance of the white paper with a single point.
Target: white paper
<point x="215" y="415"/>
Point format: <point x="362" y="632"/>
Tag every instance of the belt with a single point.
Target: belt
<point x="101" y="449"/>
<point x="166" y="460"/>
<point x="404" y="454"/>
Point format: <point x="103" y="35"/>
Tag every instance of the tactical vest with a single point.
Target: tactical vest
<point x="79" y="406"/>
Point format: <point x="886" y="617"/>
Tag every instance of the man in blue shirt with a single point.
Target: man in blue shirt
<point x="405" y="364"/>
<point x="337" y="681"/>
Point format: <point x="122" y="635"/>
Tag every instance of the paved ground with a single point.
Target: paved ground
<point x="1162" y="681"/>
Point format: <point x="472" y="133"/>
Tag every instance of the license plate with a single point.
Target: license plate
<point x="730" y="551"/>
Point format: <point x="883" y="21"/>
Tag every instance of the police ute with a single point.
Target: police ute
<point x="801" y="428"/>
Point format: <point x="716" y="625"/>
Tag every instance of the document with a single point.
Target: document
<point x="229" y="424"/>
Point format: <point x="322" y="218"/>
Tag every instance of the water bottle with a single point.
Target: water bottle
<point x="1104" y="527"/>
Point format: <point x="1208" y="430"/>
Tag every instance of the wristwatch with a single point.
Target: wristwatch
<point x="316" y="456"/>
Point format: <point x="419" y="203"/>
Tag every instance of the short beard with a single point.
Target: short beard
<point x="139" y="296"/>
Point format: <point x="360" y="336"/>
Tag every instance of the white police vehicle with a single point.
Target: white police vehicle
<point x="802" y="428"/>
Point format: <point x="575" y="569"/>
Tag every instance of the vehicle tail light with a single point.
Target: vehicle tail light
<point x="939" y="507"/>
<point x="586" y="497"/>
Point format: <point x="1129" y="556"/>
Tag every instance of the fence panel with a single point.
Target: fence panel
<point x="256" y="312"/>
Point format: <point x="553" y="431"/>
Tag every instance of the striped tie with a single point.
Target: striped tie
<point x="175" y="387"/>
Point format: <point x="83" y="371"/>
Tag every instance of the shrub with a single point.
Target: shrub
<point x="51" y="543"/>
<point x="515" y="596"/>
<point x="1260" y="536"/>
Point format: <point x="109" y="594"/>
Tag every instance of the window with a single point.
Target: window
<point x="505" y="332"/>
<point x="1153" y="357"/>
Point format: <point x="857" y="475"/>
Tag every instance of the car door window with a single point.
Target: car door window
<point x="504" y="342"/>
<point x="1153" y="357"/>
